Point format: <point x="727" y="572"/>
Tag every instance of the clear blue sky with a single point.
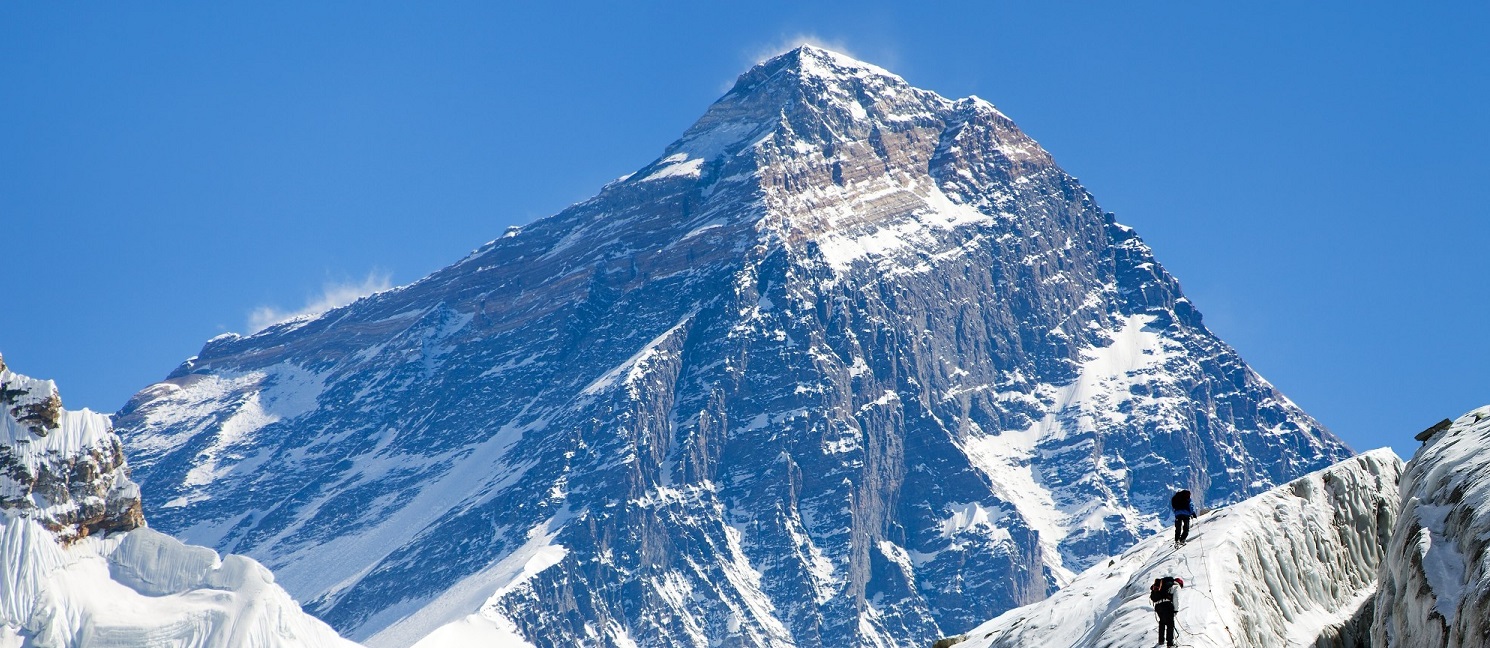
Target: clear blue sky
<point x="1315" y="175"/>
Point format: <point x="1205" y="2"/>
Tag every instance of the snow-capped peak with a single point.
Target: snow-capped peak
<point x="808" y="91"/>
<point x="814" y="61"/>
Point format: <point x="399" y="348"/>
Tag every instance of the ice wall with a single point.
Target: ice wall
<point x="1435" y="582"/>
<point x="141" y="588"/>
<point x="1290" y="567"/>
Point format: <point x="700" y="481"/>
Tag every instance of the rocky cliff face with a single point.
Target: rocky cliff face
<point x="851" y="364"/>
<point x="1435" y="583"/>
<point x="64" y="469"/>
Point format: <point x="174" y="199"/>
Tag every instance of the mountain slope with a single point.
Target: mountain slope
<point x="79" y="569"/>
<point x="1295" y="566"/>
<point x="850" y="364"/>
<point x="1435" y="587"/>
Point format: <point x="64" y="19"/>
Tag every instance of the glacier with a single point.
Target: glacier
<point x="849" y="364"/>
<point x="79" y="568"/>
<point x="1295" y="566"/>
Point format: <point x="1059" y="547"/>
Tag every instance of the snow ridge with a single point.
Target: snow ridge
<point x="1291" y="567"/>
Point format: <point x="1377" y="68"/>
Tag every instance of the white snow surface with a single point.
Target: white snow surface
<point x="1279" y="569"/>
<point x="141" y="588"/>
<point x="1436" y="580"/>
<point x="447" y="620"/>
<point x="1105" y="380"/>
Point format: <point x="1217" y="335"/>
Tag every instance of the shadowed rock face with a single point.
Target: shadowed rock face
<point x="64" y="469"/>
<point x="851" y="364"/>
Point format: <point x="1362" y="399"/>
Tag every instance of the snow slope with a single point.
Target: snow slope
<point x="1284" y="568"/>
<point x="77" y="566"/>
<point x="1436" y="579"/>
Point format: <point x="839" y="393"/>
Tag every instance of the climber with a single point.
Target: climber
<point x="1165" y="595"/>
<point x="1183" y="511"/>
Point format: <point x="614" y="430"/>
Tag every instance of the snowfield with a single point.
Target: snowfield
<point x="1284" y="568"/>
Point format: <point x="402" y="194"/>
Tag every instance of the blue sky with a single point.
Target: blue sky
<point x="1314" y="175"/>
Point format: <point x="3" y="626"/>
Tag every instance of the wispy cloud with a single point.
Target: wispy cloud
<point x="333" y="295"/>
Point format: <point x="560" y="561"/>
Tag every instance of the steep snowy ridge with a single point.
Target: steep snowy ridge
<point x="1295" y="566"/>
<point x="849" y="364"/>
<point x="1435" y="581"/>
<point x="77" y="568"/>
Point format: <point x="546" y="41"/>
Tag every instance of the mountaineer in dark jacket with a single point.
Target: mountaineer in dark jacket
<point x="1183" y="511"/>
<point x="1165" y="593"/>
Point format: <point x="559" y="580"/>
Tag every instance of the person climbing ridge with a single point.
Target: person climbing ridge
<point x="1165" y="595"/>
<point x="1183" y="511"/>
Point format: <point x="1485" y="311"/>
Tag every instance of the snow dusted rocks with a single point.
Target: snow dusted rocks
<point x="850" y="364"/>
<point x="62" y="468"/>
<point x="1435" y="583"/>
<point x="1295" y="566"/>
<point x="77" y="566"/>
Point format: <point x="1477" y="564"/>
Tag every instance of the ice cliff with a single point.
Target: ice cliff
<point x="1435" y="583"/>
<point x="77" y="566"/>
<point x="1295" y="566"/>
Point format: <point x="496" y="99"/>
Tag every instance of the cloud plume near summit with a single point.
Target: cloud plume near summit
<point x="333" y="295"/>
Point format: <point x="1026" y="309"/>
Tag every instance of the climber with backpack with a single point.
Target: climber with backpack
<point x="1165" y="595"/>
<point x="1183" y="511"/>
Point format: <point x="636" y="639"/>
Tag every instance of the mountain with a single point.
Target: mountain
<point x="1435" y="581"/>
<point x="80" y="569"/>
<point x="1295" y="566"/>
<point x="849" y="364"/>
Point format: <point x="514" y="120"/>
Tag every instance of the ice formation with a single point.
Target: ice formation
<point x="1435" y="583"/>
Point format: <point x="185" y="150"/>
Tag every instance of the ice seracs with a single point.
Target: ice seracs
<point x="1435" y="582"/>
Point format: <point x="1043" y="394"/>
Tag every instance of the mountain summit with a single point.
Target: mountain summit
<point x="850" y="364"/>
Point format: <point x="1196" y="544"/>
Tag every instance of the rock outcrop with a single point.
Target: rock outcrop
<point x="62" y="468"/>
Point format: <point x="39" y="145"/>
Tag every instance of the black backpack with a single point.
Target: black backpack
<point x="1180" y="501"/>
<point x="1161" y="592"/>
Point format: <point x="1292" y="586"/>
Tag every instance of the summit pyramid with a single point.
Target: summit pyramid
<point x="849" y="364"/>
